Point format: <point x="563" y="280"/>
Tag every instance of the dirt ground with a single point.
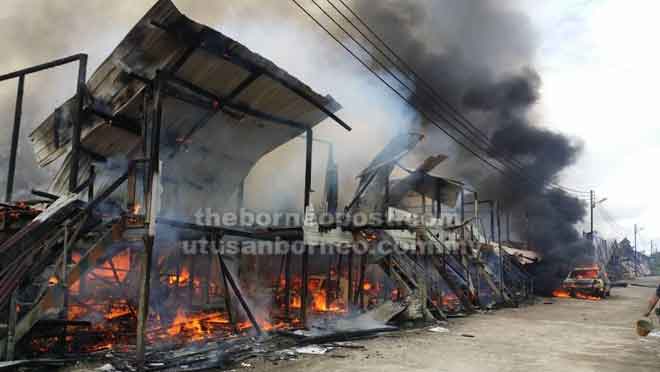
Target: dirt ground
<point x="554" y="335"/>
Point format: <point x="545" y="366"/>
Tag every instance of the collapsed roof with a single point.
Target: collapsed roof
<point x="226" y="108"/>
<point x="376" y="191"/>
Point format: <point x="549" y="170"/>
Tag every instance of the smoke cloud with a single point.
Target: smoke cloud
<point x="479" y="55"/>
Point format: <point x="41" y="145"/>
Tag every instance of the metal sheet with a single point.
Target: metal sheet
<point x="204" y="160"/>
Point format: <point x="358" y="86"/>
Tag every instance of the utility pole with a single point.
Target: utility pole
<point x="592" y="204"/>
<point x="635" y="251"/>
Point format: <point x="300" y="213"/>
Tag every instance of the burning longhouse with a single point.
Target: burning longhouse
<point x="116" y="257"/>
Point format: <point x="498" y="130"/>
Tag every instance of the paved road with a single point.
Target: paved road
<point x="567" y="335"/>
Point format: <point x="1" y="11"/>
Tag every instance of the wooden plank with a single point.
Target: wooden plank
<point x="52" y="298"/>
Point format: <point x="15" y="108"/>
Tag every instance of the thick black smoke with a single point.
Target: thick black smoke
<point x="478" y="55"/>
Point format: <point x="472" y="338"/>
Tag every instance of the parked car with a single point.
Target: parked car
<point x="591" y="280"/>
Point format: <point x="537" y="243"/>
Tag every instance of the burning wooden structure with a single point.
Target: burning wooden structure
<point x="101" y="266"/>
<point x="441" y="261"/>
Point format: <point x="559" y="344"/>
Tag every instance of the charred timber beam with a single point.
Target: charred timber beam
<point x="184" y="58"/>
<point x="343" y="336"/>
<point x="492" y="220"/>
<point x="237" y="291"/>
<point x="44" y="194"/>
<point x="192" y="270"/>
<point x="143" y="307"/>
<point x="201" y="123"/>
<point x="151" y="196"/>
<point x="305" y="286"/>
<point x="106" y="193"/>
<point x="48" y="323"/>
<point x="86" y="184"/>
<point x="53" y="295"/>
<point x="223" y="49"/>
<point x="309" y="144"/>
<point x="11" y="330"/>
<point x="14" y="139"/>
<point x="453" y="286"/>
<point x="287" y="284"/>
<point x="243" y="85"/>
<point x="205" y="229"/>
<point x="43" y="66"/>
<point x="358" y="300"/>
<point x="353" y="228"/>
<point x="76" y="131"/>
<point x="118" y="120"/>
<point x="93" y="155"/>
<point x="132" y="186"/>
<point x="290" y="234"/>
<point x="297" y="90"/>
<point x="216" y="102"/>
<point x="64" y="311"/>
<point x="499" y="244"/>
<point x="217" y="238"/>
<point x="212" y="102"/>
<point x="349" y="290"/>
<point x="154" y="151"/>
<point x="358" y="195"/>
<point x="265" y="116"/>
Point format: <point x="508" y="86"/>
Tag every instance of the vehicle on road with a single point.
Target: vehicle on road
<point x="588" y="280"/>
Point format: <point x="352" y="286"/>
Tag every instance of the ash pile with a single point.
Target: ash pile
<point x="113" y="262"/>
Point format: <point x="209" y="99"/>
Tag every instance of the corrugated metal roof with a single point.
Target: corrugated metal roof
<point x="205" y="151"/>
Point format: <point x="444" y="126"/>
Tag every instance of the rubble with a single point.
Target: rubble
<point x="99" y="272"/>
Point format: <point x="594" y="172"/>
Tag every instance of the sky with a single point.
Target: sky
<point x="597" y="59"/>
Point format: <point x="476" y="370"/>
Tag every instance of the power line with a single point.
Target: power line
<point x="453" y="111"/>
<point x="410" y="102"/>
<point x="426" y="116"/>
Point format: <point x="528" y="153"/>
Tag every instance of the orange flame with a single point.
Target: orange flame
<point x="53" y="281"/>
<point x="562" y="293"/>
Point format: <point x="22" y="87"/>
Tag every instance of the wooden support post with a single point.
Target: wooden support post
<point x="240" y="202"/>
<point x="329" y="287"/>
<point x="14" y="139"/>
<point x="305" y="286"/>
<point x="359" y="295"/>
<point x="152" y="208"/>
<point x="508" y="226"/>
<point x="492" y="220"/>
<point x="77" y="123"/>
<point x="177" y="274"/>
<point x="287" y="284"/>
<point x="499" y="243"/>
<point x="143" y="307"/>
<point x="120" y="284"/>
<point x="11" y="330"/>
<point x="191" y="280"/>
<point x="206" y="279"/>
<point x="92" y="179"/>
<point x="462" y="213"/>
<point x="308" y="167"/>
<point x="423" y="204"/>
<point x="349" y="290"/>
<point x="64" y="282"/>
<point x="363" y="278"/>
<point x="131" y="186"/>
<point x="465" y="265"/>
